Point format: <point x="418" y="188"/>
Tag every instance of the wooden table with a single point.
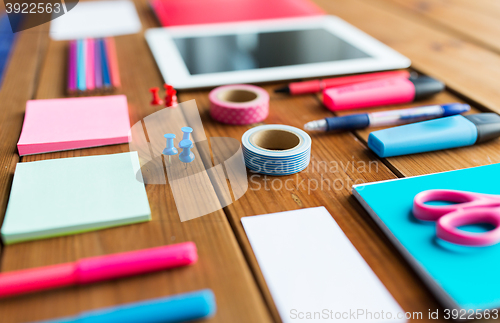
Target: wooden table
<point x="456" y="41"/>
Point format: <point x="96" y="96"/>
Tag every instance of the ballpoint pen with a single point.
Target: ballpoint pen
<point x="387" y="118"/>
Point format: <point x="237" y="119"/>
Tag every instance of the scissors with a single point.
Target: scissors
<point x="470" y="208"/>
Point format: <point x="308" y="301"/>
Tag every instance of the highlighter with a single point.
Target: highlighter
<point x="394" y="90"/>
<point x="96" y="269"/>
<point x="173" y="309"/>
<point x="444" y="133"/>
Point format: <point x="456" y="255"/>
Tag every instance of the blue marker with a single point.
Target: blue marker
<point x="179" y="308"/>
<point x="444" y="133"/>
<point x="387" y="118"/>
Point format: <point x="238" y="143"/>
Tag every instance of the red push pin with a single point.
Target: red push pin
<point x="156" y="98"/>
<point x="171" y="96"/>
<point x="172" y="99"/>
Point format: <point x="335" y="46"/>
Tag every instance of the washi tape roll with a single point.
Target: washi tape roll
<point x="276" y="150"/>
<point x="239" y="104"/>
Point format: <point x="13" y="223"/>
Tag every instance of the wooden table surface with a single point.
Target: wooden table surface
<point x="456" y="41"/>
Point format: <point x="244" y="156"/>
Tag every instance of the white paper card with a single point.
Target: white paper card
<point x="96" y="19"/>
<point x="313" y="271"/>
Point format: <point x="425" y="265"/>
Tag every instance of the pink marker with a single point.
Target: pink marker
<point x="90" y="65"/>
<point x="113" y="61"/>
<point x="95" y="269"/>
<point x="72" y="67"/>
<point x="396" y="90"/>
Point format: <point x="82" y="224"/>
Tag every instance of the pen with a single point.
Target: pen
<point x="314" y="86"/>
<point x="387" y="118"/>
<point x="97" y="269"/>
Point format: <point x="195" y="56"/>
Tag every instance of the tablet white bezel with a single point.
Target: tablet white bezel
<point x="175" y="72"/>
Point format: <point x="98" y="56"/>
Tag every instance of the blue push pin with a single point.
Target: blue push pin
<point x="170" y="149"/>
<point x="186" y="156"/>
<point x="187" y="131"/>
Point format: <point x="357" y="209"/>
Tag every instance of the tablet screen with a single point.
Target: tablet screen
<point x="225" y="53"/>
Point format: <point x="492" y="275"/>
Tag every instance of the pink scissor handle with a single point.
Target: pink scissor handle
<point x="427" y="212"/>
<point x="447" y="226"/>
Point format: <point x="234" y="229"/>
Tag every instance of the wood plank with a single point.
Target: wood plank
<point x="18" y="85"/>
<point x="417" y="40"/>
<point x="221" y="264"/>
<point x="439" y="161"/>
<point x="331" y="163"/>
<point x="476" y="21"/>
<point x="465" y="67"/>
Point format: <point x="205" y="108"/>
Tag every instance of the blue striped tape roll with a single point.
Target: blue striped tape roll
<point x="276" y="150"/>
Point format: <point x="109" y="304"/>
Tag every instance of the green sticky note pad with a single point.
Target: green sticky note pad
<point x="71" y="195"/>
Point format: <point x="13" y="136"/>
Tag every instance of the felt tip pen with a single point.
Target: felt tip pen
<point x="173" y="309"/>
<point x="97" y="269"/>
<point x="387" y="118"/>
<point x="314" y="86"/>
<point x="394" y="90"/>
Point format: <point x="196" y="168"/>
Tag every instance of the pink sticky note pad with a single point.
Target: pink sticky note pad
<point x="65" y="124"/>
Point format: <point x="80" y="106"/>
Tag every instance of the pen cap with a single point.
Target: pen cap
<point x="136" y="262"/>
<point x="487" y="124"/>
<point x="178" y="308"/>
<point x="306" y="86"/>
<point x="452" y="109"/>
<point x="388" y="91"/>
<point x="437" y="134"/>
<point x="426" y="86"/>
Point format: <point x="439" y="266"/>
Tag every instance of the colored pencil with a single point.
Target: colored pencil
<point x="98" y="64"/>
<point x="90" y="65"/>
<point x="113" y="61"/>
<point x="72" y="67"/>
<point x="82" y="83"/>
<point x="105" y="66"/>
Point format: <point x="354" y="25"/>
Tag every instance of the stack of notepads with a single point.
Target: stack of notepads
<point x="92" y="66"/>
<point x="74" y="123"/>
<point x="70" y="195"/>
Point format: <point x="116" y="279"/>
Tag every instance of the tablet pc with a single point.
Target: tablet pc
<point x="266" y="50"/>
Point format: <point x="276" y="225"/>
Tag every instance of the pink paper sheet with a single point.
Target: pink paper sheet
<point x="64" y="124"/>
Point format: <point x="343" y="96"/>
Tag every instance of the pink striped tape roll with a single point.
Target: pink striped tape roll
<point x="239" y="104"/>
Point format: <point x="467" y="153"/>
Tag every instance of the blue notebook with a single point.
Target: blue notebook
<point x="6" y="40"/>
<point x="461" y="277"/>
